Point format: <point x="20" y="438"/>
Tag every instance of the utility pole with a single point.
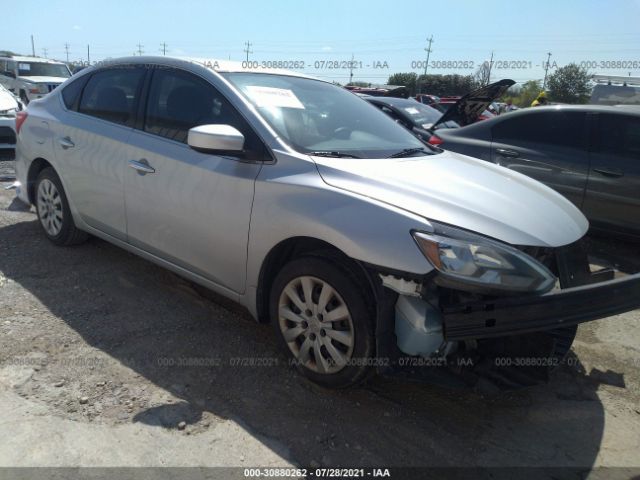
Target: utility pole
<point x="88" y="57"/>
<point x="44" y="52"/>
<point x="248" y="49"/>
<point x="546" y="68"/>
<point x="33" y="47"/>
<point x="164" y="48"/>
<point x="351" y="69"/>
<point x="428" y="50"/>
<point x="490" y="67"/>
<point x="66" y="49"/>
<point x="140" y="51"/>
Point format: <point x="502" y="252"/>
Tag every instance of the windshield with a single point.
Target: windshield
<point x="315" y="116"/>
<point x="35" y="69"/>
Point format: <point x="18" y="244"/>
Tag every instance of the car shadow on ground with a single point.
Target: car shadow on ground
<point x="201" y="351"/>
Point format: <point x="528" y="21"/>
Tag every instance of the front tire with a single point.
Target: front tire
<point x="52" y="208"/>
<point x="323" y="319"/>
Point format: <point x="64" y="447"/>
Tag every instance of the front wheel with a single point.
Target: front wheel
<point x="322" y="317"/>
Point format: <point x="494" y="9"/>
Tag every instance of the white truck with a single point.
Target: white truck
<point x="31" y="77"/>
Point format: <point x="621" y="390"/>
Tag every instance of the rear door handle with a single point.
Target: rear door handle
<point x="505" y="152"/>
<point x="66" y="143"/>
<point x="609" y="172"/>
<point x="141" y="166"/>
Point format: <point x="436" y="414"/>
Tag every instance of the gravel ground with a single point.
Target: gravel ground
<point x="108" y="360"/>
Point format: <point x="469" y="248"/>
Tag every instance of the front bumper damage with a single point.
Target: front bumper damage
<point x="516" y="315"/>
<point x="445" y="336"/>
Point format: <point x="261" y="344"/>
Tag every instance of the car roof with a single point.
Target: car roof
<point x="21" y="58"/>
<point x="394" y="101"/>
<point x="214" y="64"/>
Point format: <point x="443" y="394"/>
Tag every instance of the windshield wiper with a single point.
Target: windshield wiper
<point x="407" y="152"/>
<point x="324" y="153"/>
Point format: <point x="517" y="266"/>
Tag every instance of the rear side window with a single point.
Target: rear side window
<point x="179" y="101"/>
<point x="71" y="93"/>
<point x="113" y="94"/>
<point x="620" y="135"/>
<point x="558" y="128"/>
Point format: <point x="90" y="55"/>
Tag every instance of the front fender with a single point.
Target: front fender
<point x="292" y="200"/>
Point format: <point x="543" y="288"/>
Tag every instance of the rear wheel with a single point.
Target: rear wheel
<point x="321" y="315"/>
<point x="53" y="211"/>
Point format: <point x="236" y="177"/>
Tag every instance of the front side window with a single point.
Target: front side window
<point x="315" y="116"/>
<point x="113" y="94"/>
<point x="562" y="129"/>
<point x="620" y="135"/>
<point x="179" y="101"/>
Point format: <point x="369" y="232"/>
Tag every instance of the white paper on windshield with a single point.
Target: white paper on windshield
<point x="24" y="66"/>
<point x="412" y="111"/>
<point x="273" y="97"/>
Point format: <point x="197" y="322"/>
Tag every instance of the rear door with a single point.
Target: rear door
<point x="612" y="198"/>
<point x="91" y="140"/>
<point x="550" y="146"/>
<point x="192" y="208"/>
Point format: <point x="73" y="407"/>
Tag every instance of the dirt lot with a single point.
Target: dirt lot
<point x="108" y="360"/>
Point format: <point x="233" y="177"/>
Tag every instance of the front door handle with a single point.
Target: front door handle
<point x="609" y="172"/>
<point x="66" y="143"/>
<point x="505" y="152"/>
<point x="141" y="166"/>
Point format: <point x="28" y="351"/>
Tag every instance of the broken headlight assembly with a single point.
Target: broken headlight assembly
<point x="471" y="262"/>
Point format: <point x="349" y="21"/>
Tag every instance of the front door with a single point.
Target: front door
<point x="190" y="208"/>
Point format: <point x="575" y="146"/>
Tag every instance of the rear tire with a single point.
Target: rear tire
<point x="321" y="315"/>
<point x="52" y="208"/>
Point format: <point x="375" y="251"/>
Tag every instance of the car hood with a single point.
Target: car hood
<point x="469" y="107"/>
<point x="44" y="79"/>
<point x="463" y="192"/>
<point x="7" y="101"/>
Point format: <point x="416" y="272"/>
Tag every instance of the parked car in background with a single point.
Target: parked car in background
<point x="427" y="99"/>
<point x="31" y="77"/>
<point x="414" y="116"/>
<point x="590" y="154"/>
<point x="9" y="107"/>
<point x="615" y="90"/>
<point x="317" y="212"/>
<point x="423" y="119"/>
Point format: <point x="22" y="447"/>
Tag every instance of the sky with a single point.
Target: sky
<point x="383" y="37"/>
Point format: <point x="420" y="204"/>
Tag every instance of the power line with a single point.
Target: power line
<point x="66" y="50"/>
<point x="490" y="67"/>
<point x="164" y="48"/>
<point x="248" y="49"/>
<point x="44" y="52"/>
<point x="428" y="50"/>
<point x="351" y="69"/>
<point x="546" y="68"/>
<point x="140" y="51"/>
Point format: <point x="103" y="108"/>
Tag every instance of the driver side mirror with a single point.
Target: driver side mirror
<point x="215" y="138"/>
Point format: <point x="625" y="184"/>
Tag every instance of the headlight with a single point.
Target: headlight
<point x="8" y="113"/>
<point x="484" y="265"/>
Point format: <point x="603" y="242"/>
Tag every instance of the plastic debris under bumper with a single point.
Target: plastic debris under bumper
<point x="515" y="315"/>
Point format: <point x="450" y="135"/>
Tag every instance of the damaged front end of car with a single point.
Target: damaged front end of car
<point x="492" y="315"/>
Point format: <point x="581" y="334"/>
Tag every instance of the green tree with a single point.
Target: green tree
<point x="570" y="84"/>
<point x="524" y="95"/>
<point x="358" y="84"/>
<point x="445" y="85"/>
<point x="408" y="80"/>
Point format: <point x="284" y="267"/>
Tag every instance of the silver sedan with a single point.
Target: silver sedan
<point x="364" y="247"/>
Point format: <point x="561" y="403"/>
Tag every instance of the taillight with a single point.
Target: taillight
<point x="20" y="118"/>
<point x="435" y="140"/>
